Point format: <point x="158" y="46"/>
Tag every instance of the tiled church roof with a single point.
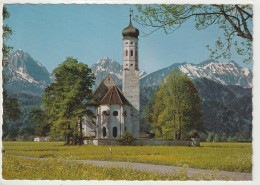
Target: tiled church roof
<point x="108" y="93"/>
<point x="114" y="97"/>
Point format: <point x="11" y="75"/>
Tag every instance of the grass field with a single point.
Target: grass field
<point x="235" y="157"/>
<point x="15" y="168"/>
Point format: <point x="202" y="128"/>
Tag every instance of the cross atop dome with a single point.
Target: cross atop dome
<point x="130" y="31"/>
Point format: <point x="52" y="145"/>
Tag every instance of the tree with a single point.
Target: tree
<point x="7" y="32"/>
<point x="234" y="20"/>
<point x="176" y="108"/>
<point x="126" y="138"/>
<point x="210" y="137"/>
<point x="65" y="100"/>
<point x="11" y="108"/>
<point x="216" y="138"/>
<point x="39" y="117"/>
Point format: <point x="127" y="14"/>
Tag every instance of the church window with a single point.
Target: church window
<point x="114" y="131"/>
<point x="104" y="132"/>
<point x="126" y="43"/>
<point x="132" y="53"/>
<point x="126" y="64"/>
<point x="105" y="113"/>
<point x="126" y="53"/>
<point x="132" y="64"/>
<point x="136" y="53"/>
<point x="115" y="113"/>
<point x="131" y="42"/>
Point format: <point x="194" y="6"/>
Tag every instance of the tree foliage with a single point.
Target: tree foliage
<point x="65" y="100"/>
<point x="39" y="117"/>
<point x="7" y="32"/>
<point x="234" y="20"/>
<point x="11" y="108"/>
<point x="175" y="108"/>
<point x="126" y="138"/>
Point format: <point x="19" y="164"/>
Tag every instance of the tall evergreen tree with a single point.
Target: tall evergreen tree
<point x="39" y="117"/>
<point x="175" y="108"/>
<point x="65" y="100"/>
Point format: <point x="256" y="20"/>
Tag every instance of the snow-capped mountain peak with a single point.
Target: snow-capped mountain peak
<point x="106" y="66"/>
<point x="26" y="74"/>
<point x="229" y="73"/>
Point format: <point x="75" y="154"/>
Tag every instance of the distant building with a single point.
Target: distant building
<point x="41" y="139"/>
<point x="115" y="111"/>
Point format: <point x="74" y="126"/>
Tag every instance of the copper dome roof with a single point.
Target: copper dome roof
<point x="130" y="31"/>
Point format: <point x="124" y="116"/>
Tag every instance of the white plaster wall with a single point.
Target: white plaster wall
<point x="104" y="120"/>
<point x="131" y="87"/>
<point x="127" y="119"/>
<point x="88" y="127"/>
<point x="130" y="61"/>
<point x="115" y="120"/>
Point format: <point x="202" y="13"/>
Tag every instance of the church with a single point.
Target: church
<point x="115" y="111"/>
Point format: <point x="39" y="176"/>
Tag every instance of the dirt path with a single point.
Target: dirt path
<point x="192" y="172"/>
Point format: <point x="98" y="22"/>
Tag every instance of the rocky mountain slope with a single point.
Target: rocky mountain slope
<point x="25" y="74"/>
<point x="225" y="89"/>
<point x="224" y="73"/>
<point x="106" y="66"/>
<point x="226" y="109"/>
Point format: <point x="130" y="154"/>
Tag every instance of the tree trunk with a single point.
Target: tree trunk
<point x="74" y="141"/>
<point x="67" y="139"/>
<point x="80" y="134"/>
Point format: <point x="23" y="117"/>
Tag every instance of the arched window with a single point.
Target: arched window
<point x="115" y="113"/>
<point x="126" y="53"/>
<point x="104" y="132"/>
<point x="132" y="53"/>
<point x="136" y="54"/>
<point x="114" y="131"/>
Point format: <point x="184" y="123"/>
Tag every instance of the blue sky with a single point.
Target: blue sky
<point x="50" y="33"/>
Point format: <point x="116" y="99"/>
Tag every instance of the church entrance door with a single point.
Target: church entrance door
<point x="114" y="131"/>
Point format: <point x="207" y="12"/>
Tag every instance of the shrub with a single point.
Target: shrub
<point x="216" y="138"/>
<point x="229" y="139"/>
<point x="194" y="134"/>
<point x="127" y="138"/>
<point x="210" y="137"/>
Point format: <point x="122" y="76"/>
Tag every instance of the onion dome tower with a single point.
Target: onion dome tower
<point x="131" y="82"/>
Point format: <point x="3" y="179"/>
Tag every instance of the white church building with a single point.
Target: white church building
<point x="116" y="111"/>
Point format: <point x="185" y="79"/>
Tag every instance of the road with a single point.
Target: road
<point x="166" y="170"/>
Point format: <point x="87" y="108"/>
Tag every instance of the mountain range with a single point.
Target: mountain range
<point x="224" y="73"/>
<point x="225" y="88"/>
<point x="27" y="75"/>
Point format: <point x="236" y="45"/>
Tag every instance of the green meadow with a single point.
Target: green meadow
<point x="234" y="157"/>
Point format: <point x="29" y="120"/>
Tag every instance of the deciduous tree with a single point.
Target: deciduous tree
<point x="11" y="108"/>
<point x="234" y="20"/>
<point x="65" y="99"/>
<point x="175" y="108"/>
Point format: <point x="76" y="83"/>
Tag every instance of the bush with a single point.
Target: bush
<point x="216" y="138"/>
<point x="229" y="139"/>
<point x="194" y="134"/>
<point x="127" y="138"/>
<point x="210" y="137"/>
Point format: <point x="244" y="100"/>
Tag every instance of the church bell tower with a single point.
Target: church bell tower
<point x="131" y="87"/>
